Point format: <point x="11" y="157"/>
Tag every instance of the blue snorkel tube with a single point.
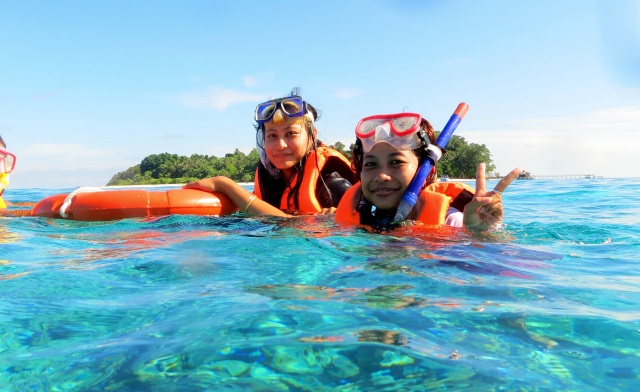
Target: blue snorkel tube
<point x="434" y="153"/>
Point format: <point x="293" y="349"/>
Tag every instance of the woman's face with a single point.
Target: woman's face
<point x="286" y="143"/>
<point x="386" y="174"/>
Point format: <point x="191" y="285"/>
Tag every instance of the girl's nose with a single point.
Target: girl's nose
<point x="282" y="144"/>
<point x="382" y="175"/>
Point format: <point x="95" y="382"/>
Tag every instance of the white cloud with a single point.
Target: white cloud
<point x="346" y="93"/>
<point x="61" y="178"/>
<point x="65" y="151"/>
<point x="253" y="81"/>
<point x="250" y="81"/>
<point x="217" y="98"/>
<point x="43" y="158"/>
<point x="603" y="143"/>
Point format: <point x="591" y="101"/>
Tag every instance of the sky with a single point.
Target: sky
<point x="89" y="89"/>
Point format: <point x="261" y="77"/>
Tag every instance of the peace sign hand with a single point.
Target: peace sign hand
<point x="485" y="210"/>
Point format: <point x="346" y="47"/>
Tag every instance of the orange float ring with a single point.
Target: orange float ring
<point x="120" y="204"/>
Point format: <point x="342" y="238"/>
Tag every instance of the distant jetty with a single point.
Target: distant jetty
<point x="529" y="176"/>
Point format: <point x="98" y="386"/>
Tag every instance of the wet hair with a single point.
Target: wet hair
<point x="2" y="143"/>
<point x="426" y="135"/>
<point x="272" y="183"/>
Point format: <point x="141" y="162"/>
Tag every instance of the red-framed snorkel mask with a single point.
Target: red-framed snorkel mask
<point x="7" y="161"/>
<point x="400" y="130"/>
<point x="291" y="107"/>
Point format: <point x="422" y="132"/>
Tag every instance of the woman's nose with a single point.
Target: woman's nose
<point x="281" y="144"/>
<point x="382" y="175"/>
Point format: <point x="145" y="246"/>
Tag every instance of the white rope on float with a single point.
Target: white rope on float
<point x="70" y="196"/>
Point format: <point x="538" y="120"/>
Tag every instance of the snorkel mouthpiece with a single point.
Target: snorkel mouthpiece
<point x="435" y="152"/>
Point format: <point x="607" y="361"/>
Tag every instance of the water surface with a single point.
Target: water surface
<point x="549" y="301"/>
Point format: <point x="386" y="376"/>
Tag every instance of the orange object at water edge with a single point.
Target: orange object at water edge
<point x="120" y="204"/>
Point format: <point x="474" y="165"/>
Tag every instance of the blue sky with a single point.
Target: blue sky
<point x="88" y="89"/>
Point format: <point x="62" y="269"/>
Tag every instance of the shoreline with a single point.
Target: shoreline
<point x="157" y="185"/>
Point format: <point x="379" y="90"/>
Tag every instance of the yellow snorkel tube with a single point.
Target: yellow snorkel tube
<point x="4" y="182"/>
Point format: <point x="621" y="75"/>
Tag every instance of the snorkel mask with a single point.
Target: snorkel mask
<point x="278" y="110"/>
<point x="7" y="161"/>
<point x="401" y="130"/>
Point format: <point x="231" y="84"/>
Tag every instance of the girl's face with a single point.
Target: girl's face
<point x="286" y="144"/>
<point x="386" y="174"/>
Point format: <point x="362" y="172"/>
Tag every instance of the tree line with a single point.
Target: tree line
<point x="460" y="161"/>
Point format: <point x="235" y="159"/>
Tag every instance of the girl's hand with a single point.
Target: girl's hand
<point x="485" y="210"/>
<point x="206" y="184"/>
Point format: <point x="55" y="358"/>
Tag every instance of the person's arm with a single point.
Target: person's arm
<point x="485" y="210"/>
<point x="6" y="211"/>
<point x="15" y="212"/>
<point x="246" y="201"/>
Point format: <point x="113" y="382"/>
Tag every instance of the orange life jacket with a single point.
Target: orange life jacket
<point x="307" y="198"/>
<point x="434" y="201"/>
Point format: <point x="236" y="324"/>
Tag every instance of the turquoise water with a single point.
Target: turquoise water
<point x="549" y="302"/>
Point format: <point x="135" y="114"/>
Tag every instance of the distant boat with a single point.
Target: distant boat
<point x="444" y="178"/>
<point x="525" y="176"/>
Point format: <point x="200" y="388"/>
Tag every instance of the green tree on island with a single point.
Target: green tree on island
<point x="460" y="161"/>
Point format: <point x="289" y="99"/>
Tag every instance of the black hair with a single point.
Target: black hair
<point x="2" y="143"/>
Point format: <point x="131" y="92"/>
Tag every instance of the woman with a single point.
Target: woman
<point x="387" y="154"/>
<point x="296" y="173"/>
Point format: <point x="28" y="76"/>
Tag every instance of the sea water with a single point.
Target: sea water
<point x="549" y="301"/>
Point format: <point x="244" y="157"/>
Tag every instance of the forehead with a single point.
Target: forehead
<point x="383" y="149"/>
<point x="291" y="122"/>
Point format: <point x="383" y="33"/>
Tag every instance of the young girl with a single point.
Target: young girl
<point x="387" y="154"/>
<point x="296" y="173"/>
